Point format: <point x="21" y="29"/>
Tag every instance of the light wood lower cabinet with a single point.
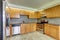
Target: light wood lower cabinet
<point x="33" y="27"/>
<point x="26" y="28"/>
<point x="52" y="30"/>
<point x="22" y="29"/>
<point x="46" y="29"/>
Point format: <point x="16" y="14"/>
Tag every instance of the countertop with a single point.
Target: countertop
<point x="54" y="24"/>
<point x="33" y="22"/>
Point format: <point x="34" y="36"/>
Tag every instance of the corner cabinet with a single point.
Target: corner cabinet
<point x="52" y="30"/>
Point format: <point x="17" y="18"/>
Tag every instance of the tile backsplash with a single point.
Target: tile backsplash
<point x="25" y="19"/>
<point x="54" y="20"/>
<point x="34" y="20"/>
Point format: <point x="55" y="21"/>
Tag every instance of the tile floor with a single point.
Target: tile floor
<point x="31" y="36"/>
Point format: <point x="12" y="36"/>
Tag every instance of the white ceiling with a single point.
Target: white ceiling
<point x="33" y="4"/>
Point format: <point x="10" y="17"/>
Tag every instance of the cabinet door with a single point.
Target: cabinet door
<point x="33" y="27"/>
<point x="46" y="29"/>
<point x="22" y="30"/>
<point x="24" y="12"/>
<point x="53" y="31"/>
<point x="52" y="12"/>
<point x="11" y="12"/>
<point x="27" y="28"/>
<point x="33" y="15"/>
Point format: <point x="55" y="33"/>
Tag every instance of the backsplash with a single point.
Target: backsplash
<point x="25" y="19"/>
<point x="54" y="20"/>
<point x="33" y="20"/>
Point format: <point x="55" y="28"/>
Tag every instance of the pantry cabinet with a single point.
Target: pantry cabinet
<point x="52" y="30"/>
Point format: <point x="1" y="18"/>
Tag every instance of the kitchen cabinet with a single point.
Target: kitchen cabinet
<point x="53" y="12"/>
<point x="52" y="30"/>
<point x="59" y="34"/>
<point x="23" y="28"/>
<point x="26" y="28"/>
<point x="24" y="12"/>
<point x="13" y="12"/>
<point x="34" y="15"/>
<point x="33" y="27"/>
<point x="46" y="29"/>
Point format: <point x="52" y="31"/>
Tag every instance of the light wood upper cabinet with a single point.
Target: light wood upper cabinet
<point x="34" y="15"/>
<point x="13" y="13"/>
<point x="53" y="12"/>
<point x="24" y="12"/>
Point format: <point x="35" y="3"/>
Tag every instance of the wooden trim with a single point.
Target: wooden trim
<point x="10" y="30"/>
